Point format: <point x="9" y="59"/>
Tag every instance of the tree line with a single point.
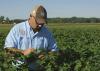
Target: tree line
<point x="6" y="20"/>
<point x="74" y="20"/>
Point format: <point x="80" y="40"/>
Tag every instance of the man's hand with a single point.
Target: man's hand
<point x="28" y="51"/>
<point x="41" y="56"/>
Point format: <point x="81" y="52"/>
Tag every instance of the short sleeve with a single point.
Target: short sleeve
<point x="11" y="40"/>
<point x="52" y="43"/>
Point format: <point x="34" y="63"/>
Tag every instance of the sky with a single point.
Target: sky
<point x="20" y="9"/>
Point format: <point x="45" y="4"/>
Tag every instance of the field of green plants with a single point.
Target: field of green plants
<point x="79" y="48"/>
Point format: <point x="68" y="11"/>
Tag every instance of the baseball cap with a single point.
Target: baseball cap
<point x="40" y="14"/>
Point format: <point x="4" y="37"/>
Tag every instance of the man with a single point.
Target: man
<point x="31" y="35"/>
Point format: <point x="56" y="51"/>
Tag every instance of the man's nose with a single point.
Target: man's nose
<point x="40" y="25"/>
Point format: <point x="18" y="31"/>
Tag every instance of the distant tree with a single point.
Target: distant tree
<point x="7" y="21"/>
<point x="1" y="19"/>
<point x="18" y="20"/>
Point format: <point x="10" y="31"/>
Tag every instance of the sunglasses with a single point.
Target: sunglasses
<point x="36" y="20"/>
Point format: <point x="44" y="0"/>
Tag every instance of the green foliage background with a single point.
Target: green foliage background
<point x="79" y="46"/>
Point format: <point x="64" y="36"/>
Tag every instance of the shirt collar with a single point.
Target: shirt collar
<point x="27" y="24"/>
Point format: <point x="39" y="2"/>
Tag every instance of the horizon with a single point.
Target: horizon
<point x="49" y="18"/>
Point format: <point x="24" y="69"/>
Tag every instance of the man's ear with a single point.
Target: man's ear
<point x="30" y="15"/>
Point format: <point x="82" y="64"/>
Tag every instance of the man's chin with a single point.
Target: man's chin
<point x="38" y="29"/>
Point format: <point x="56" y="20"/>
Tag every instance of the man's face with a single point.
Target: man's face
<point x="39" y="25"/>
<point x="34" y="24"/>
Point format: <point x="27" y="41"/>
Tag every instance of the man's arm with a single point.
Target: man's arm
<point x="13" y="50"/>
<point x="24" y="52"/>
